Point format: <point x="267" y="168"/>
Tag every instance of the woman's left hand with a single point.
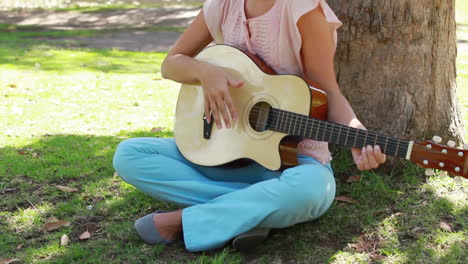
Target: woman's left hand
<point x="369" y="157"/>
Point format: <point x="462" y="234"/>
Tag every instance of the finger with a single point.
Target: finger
<point x="360" y="164"/>
<point x="380" y="157"/>
<point x="230" y="106"/>
<point x="224" y="113"/>
<point x="207" y="110"/>
<point x="371" y="157"/>
<point x="357" y="156"/>
<point x="235" y="83"/>
<point x="365" y="159"/>
<point x="215" y="112"/>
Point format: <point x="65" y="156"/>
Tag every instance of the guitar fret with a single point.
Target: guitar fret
<point x="339" y="133"/>
<point x="294" y="124"/>
<point x="347" y="134"/>
<point x="290" y="123"/>
<point x="386" y="142"/>
<point x="375" y="141"/>
<point x="324" y="130"/>
<point x="277" y="121"/>
<point x="301" y="123"/>
<point x="355" y="137"/>
<point x="280" y="121"/>
<point x="397" y="146"/>
<point x="365" y="139"/>
<point x="318" y="129"/>
<point x="312" y="128"/>
<point x="285" y="122"/>
<point x="331" y="132"/>
<point x="305" y="130"/>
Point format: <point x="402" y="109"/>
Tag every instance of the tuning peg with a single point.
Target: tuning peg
<point x="443" y="174"/>
<point x="458" y="179"/>
<point x="451" y="143"/>
<point x="437" y="139"/>
<point x="429" y="172"/>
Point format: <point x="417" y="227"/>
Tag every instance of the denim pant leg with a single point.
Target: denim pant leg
<point x="302" y="193"/>
<point x="226" y="202"/>
<point x="156" y="167"/>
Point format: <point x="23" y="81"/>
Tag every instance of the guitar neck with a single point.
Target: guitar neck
<point x="316" y="129"/>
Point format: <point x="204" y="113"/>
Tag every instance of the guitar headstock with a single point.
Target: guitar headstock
<point x="431" y="154"/>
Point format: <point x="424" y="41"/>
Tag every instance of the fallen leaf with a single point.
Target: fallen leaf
<point x="346" y="199"/>
<point x="34" y="154"/>
<point x="66" y="189"/>
<point x="12" y="85"/>
<point x="157" y="129"/>
<point x="64" y="240"/>
<point x="7" y="190"/>
<point x="396" y="214"/>
<point x="19" y="246"/>
<point x="55" y="225"/>
<point x="52" y="219"/>
<point x="417" y="229"/>
<point x="445" y="226"/>
<point x="85" y="235"/>
<point x="22" y="152"/>
<point x="353" y="179"/>
<point x="8" y="261"/>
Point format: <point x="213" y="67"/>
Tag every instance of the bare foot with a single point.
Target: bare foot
<point x="169" y="225"/>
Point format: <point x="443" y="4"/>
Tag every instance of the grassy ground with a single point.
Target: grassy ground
<point x="62" y="114"/>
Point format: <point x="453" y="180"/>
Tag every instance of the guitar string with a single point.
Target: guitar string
<point x="288" y="120"/>
<point x="292" y="115"/>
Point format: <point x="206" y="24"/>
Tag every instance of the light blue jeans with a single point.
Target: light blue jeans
<point x="221" y="202"/>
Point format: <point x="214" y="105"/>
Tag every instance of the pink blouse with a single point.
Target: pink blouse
<point x="273" y="36"/>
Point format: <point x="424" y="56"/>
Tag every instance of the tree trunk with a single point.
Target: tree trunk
<point x="395" y="63"/>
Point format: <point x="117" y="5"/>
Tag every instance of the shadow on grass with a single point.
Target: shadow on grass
<point x="37" y="56"/>
<point x="106" y="207"/>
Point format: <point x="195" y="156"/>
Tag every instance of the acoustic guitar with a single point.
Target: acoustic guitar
<point x="274" y="107"/>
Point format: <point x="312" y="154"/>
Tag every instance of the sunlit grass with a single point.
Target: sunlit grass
<point x="461" y="11"/>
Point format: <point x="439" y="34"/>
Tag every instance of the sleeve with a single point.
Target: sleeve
<point x="214" y="11"/>
<point x="298" y="8"/>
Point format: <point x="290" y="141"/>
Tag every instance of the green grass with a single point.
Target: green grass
<point x="461" y="11"/>
<point x="62" y="113"/>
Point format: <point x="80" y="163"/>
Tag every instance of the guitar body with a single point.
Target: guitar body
<point x="287" y="92"/>
<point x="275" y="112"/>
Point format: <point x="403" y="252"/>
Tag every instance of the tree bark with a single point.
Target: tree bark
<point x="395" y="63"/>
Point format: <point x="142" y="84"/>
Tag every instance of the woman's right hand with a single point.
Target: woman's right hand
<point x="216" y="82"/>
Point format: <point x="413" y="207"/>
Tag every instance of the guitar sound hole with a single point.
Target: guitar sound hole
<point x="258" y="116"/>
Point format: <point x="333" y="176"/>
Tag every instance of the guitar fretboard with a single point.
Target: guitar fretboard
<point x="316" y="129"/>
